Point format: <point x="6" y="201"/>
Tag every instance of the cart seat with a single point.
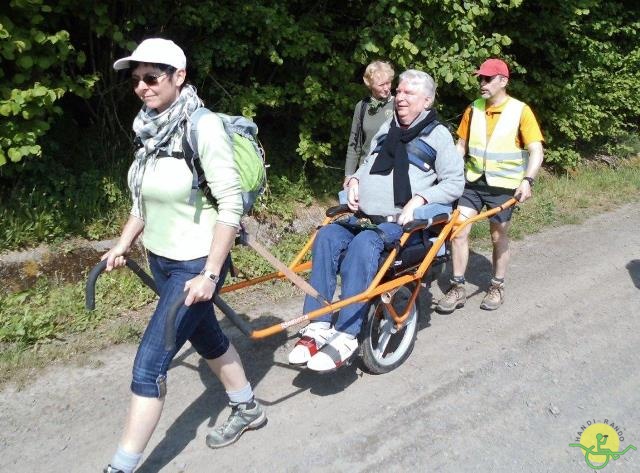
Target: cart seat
<point x="409" y="257"/>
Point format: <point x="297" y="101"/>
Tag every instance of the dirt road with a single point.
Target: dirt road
<point x="506" y="391"/>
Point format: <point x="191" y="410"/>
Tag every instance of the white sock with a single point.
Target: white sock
<point x="244" y="395"/>
<point x="125" y="461"/>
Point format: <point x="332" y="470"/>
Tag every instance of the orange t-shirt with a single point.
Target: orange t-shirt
<point x="528" y="132"/>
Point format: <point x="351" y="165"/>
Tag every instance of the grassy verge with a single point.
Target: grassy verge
<point x="570" y="199"/>
<point x="48" y="323"/>
<point x="50" y="202"/>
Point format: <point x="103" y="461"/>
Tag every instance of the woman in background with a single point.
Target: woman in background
<point x="369" y="114"/>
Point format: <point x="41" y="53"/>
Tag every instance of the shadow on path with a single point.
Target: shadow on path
<point x="257" y="358"/>
<point x="633" y="267"/>
<point x="479" y="273"/>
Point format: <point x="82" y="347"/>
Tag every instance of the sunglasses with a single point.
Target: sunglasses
<point x="149" y="79"/>
<point x="486" y="79"/>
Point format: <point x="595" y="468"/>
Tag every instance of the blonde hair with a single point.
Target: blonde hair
<point x="377" y="69"/>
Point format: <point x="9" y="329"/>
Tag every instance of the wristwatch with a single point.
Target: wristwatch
<point x="209" y="275"/>
<point x="530" y="180"/>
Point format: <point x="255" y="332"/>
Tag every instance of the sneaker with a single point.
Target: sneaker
<point x="338" y="350"/>
<point x="110" y="469"/>
<point x="454" y="298"/>
<point x="244" y="416"/>
<point x="494" y="297"/>
<point x="314" y="337"/>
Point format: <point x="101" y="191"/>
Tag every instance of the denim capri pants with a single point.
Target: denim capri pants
<point x="196" y="323"/>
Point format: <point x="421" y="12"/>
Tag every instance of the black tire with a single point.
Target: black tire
<point x="380" y="329"/>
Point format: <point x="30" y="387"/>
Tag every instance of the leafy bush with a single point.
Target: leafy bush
<point x="295" y="67"/>
<point x="36" y="62"/>
<point x="47" y="312"/>
<point x="582" y="65"/>
<point x="50" y="201"/>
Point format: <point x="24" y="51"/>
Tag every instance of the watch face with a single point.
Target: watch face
<point x="209" y="275"/>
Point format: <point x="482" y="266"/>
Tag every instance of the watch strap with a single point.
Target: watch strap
<point x="214" y="278"/>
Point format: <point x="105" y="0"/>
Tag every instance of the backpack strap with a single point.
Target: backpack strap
<point x="192" y="158"/>
<point x="423" y="134"/>
<point x="360" y="130"/>
<point x="419" y="152"/>
<point x="429" y="128"/>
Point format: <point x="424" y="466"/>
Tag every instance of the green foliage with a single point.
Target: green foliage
<point x="296" y="67"/>
<point x="46" y="312"/>
<point x="35" y="65"/>
<point x="570" y="198"/>
<point x="50" y="201"/>
<point x="581" y="60"/>
<point x="281" y="196"/>
<point x="252" y="265"/>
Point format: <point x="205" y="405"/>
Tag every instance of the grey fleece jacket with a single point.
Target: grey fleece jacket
<point x="441" y="185"/>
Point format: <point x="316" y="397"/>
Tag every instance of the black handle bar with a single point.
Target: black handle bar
<point x="170" y="322"/>
<point x="98" y="269"/>
<point x="170" y="327"/>
<point x="418" y="224"/>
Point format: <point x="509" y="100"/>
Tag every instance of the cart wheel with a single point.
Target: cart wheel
<point x="385" y="347"/>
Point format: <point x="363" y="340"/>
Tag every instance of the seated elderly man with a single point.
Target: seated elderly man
<point x="413" y="162"/>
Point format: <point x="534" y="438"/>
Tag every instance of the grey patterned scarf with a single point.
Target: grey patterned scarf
<point x="157" y="132"/>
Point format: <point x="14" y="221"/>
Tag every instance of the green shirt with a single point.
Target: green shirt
<point x="174" y="228"/>
<point x="371" y="124"/>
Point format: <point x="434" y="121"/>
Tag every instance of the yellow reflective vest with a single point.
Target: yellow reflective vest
<point x="497" y="156"/>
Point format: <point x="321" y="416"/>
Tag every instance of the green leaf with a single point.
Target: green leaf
<point x="39" y="37"/>
<point x="25" y="61"/>
<point x="371" y="47"/>
<point x="5" y="109"/>
<point x="14" y="154"/>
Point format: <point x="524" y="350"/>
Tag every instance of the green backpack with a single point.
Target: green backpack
<point x="248" y="155"/>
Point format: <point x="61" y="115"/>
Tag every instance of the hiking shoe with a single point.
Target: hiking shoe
<point x="314" y="337"/>
<point x="244" y="416"/>
<point x="454" y="298"/>
<point x="110" y="469"/>
<point x="494" y="297"/>
<point x="338" y="350"/>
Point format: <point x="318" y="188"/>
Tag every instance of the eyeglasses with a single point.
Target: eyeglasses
<point x="149" y="79"/>
<point x="486" y="79"/>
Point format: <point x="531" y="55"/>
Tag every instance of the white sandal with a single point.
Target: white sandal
<point x="314" y="337"/>
<point x="337" y="351"/>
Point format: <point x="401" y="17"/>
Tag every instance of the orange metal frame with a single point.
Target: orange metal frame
<point x="376" y="288"/>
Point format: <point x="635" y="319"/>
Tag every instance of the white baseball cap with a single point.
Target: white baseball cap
<point x="155" y="51"/>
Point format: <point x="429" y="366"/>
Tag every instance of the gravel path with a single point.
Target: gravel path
<point x="505" y="391"/>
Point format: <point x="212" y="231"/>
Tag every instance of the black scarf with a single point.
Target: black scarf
<point x="393" y="156"/>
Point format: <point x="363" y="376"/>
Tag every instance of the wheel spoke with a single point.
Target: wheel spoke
<point x="387" y="346"/>
<point x="383" y="341"/>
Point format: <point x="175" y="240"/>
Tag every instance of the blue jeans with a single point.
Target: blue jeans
<point x="355" y="257"/>
<point x="196" y="323"/>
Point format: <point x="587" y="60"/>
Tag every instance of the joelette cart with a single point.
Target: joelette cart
<point x="391" y="326"/>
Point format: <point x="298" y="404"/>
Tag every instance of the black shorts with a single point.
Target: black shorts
<point x="478" y="197"/>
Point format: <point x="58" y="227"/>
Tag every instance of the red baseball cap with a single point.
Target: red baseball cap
<point x="493" y="67"/>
